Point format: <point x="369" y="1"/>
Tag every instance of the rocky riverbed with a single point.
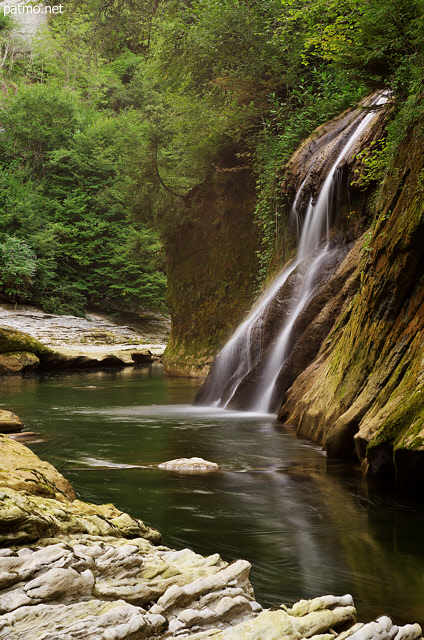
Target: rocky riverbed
<point x="73" y="342"/>
<point x="71" y="570"/>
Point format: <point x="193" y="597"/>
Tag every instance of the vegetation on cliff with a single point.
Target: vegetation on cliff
<point x="125" y="110"/>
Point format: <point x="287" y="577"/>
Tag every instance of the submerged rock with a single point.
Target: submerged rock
<point x="189" y="465"/>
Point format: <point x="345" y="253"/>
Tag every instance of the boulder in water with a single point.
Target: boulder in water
<point x="18" y="362"/>
<point x="9" y="422"/>
<point x="22" y="470"/>
<point x="189" y="465"/>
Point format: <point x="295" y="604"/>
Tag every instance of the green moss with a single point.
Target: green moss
<point x="45" y="486"/>
<point x="404" y="426"/>
<point x="13" y="340"/>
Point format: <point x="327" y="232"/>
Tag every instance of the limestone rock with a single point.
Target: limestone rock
<point x="189" y="465"/>
<point x="18" y="362"/>
<point x="26" y="518"/>
<point x="60" y="361"/>
<point x="207" y="304"/>
<point x="102" y="587"/>
<point x="12" y="340"/>
<point x="144" y="356"/>
<point x="90" y="620"/>
<point x="382" y="629"/>
<point x="191" y="591"/>
<point x="363" y="394"/>
<point x="22" y="470"/>
<point x="9" y="422"/>
<point x="303" y="607"/>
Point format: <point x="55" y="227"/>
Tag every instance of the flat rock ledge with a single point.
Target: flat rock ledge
<point x="22" y="353"/>
<point x="70" y="571"/>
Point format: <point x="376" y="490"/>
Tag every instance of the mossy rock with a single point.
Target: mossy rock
<point x="22" y="470"/>
<point x="367" y="381"/>
<point x="12" y="340"/>
<point x="18" y="362"/>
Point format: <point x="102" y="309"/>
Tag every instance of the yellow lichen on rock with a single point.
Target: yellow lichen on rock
<point x="22" y="470"/>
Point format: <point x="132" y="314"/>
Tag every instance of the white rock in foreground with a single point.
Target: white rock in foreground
<point x="189" y="465"/>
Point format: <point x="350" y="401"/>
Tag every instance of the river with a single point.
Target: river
<point x="308" y="525"/>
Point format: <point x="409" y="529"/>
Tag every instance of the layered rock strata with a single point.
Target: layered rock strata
<point x="22" y="353"/>
<point x="70" y="570"/>
<point x="364" y="391"/>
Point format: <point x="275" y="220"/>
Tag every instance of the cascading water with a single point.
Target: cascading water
<point x="244" y="351"/>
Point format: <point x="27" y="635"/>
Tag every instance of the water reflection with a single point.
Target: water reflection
<point x="309" y="526"/>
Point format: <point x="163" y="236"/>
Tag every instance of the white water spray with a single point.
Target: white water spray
<point x="244" y="350"/>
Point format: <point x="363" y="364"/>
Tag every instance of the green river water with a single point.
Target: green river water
<point x="308" y="525"/>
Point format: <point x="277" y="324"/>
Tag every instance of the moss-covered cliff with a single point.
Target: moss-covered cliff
<point x="212" y="268"/>
<point x="364" y="390"/>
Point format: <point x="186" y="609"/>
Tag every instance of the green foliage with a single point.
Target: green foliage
<point x="374" y="162"/>
<point x="18" y="264"/>
<point x="126" y="105"/>
<point x="65" y="190"/>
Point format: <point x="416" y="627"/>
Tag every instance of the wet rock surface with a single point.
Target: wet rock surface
<point x="363" y="394"/>
<point x="22" y="470"/>
<point x="10" y="422"/>
<point x="71" y="570"/>
<point x="189" y="465"/>
<point x="33" y="340"/>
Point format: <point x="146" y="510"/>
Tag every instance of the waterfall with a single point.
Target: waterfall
<point x="244" y="351"/>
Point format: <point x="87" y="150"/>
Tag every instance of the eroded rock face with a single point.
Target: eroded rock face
<point x="212" y="266"/>
<point x="22" y="470"/>
<point x="364" y="391"/>
<point x="103" y="588"/>
<point x="25" y="518"/>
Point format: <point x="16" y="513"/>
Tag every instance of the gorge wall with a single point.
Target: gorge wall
<point x="353" y="381"/>
<point x="363" y="392"/>
<point x="263" y="357"/>
<point x="212" y="269"/>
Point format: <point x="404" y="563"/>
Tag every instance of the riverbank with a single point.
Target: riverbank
<point x="73" y="342"/>
<point x="70" y="569"/>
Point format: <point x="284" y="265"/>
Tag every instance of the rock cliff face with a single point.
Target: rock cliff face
<point x="354" y="379"/>
<point x="212" y="267"/>
<point x="286" y="328"/>
<point x="364" y="391"/>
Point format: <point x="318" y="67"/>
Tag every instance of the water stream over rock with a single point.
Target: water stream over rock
<point x="245" y="372"/>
